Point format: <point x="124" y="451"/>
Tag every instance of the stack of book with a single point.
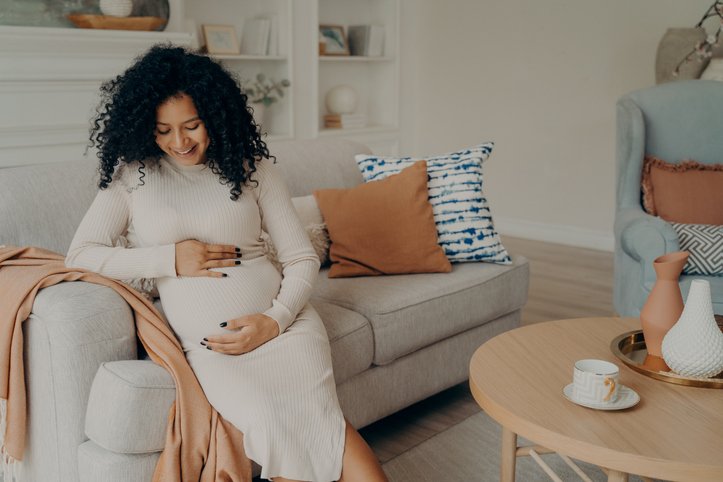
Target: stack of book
<point x="366" y="40"/>
<point x="260" y="36"/>
<point x="345" y="121"/>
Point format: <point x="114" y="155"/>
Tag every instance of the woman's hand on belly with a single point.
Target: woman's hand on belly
<point x="248" y="333"/>
<point x="194" y="258"/>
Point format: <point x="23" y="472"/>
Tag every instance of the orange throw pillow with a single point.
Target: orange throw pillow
<point x="689" y="192"/>
<point x="383" y="227"/>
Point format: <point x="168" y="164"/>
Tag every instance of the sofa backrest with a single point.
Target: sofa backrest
<point x="318" y="164"/>
<point x="42" y="205"/>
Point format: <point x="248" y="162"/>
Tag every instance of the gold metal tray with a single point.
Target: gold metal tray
<point x="630" y="349"/>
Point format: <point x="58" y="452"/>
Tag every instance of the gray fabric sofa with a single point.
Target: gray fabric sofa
<point x="97" y="413"/>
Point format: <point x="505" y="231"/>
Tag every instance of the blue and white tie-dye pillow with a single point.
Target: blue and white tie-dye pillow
<point x="461" y="213"/>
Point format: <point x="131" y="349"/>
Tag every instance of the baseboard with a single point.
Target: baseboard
<point x="555" y="233"/>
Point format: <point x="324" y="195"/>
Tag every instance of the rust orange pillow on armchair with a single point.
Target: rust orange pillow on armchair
<point x="689" y="192"/>
<point x="383" y="227"/>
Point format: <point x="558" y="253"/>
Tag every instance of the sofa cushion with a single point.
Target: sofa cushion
<point x="128" y="406"/>
<point x="704" y="243"/>
<point x="350" y="337"/>
<point x="365" y="242"/>
<point x="685" y="192"/>
<point x="461" y="211"/>
<point x="408" y="312"/>
<point x="95" y="463"/>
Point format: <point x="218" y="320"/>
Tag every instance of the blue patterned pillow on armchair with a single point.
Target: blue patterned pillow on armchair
<point x="704" y="243"/>
<point x="461" y="212"/>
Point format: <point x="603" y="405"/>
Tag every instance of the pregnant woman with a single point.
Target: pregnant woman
<point x="186" y="178"/>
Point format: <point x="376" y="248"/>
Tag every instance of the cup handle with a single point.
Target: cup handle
<point x="611" y="382"/>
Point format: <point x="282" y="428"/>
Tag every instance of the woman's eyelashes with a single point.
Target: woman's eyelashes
<point x="190" y="128"/>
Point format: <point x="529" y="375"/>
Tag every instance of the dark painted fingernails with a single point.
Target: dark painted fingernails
<point x="205" y="339"/>
<point x="224" y="275"/>
<point x="238" y="255"/>
<point x="203" y="343"/>
<point x="208" y="347"/>
<point x="223" y="324"/>
<point x="238" y="250"/>
<point x="237" y="262"/>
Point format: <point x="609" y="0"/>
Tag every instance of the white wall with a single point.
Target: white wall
<point x="540" y="79"/>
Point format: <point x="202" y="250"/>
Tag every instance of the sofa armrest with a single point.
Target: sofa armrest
<point x="644" y="237"/>
<point x="78" y="313"/>
<point x="74" y="327"/>
<point x="128" y="406"/>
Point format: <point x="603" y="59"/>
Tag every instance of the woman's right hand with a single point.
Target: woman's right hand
<point x="194" y="258"/>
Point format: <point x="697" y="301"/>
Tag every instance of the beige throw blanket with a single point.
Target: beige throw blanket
<point x="200" y="444"/>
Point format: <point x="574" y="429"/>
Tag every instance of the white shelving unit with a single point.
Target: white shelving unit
<point x="375" y="79"/>
<point x="250" y="57"/>
<point x="49" y="84"/>
<point x="279" y="118"/>
<point x="352" y="59"/>
<point x="300" y="114"/>
<point x="49" y="77"/>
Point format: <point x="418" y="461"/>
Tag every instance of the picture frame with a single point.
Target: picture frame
<point x="220" y="39"/>
<point x="335" y="40"/>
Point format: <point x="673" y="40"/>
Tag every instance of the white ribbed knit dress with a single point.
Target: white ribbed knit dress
<point x="282" y="395"/>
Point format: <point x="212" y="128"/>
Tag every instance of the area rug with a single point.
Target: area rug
<point x="470" y="451"/>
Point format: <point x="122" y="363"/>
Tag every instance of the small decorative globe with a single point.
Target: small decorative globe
<point x="342" y="99"/>
<point x="116" y="8"/>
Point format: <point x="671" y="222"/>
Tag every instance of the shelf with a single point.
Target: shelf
<point x="354" y="58"/>
<point x="249" y="57"/>
<point x="373" y="129"/>
<point x="41" y="54"/>
<point x="277" y="138"/>
<point x="45" y="39"/>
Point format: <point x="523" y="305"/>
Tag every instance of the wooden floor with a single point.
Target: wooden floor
<point x="565" y="282"/>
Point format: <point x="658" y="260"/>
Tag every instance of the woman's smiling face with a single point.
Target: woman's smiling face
<point x="180" y="133"/>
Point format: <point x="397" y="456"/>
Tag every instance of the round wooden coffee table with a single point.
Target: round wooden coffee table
<point x="674" y="433"/>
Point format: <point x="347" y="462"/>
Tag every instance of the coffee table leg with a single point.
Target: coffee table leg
<point x="509" y="455"/>
<point x="615" y="476"/>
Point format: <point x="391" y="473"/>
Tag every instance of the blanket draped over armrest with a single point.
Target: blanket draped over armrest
<point x="200" y="444"/>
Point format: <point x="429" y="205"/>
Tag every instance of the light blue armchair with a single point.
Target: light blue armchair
<point x="675" y="122"/>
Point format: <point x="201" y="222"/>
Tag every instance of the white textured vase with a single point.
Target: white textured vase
<point x="694" y="346"/>
<point x="116" y="8"/>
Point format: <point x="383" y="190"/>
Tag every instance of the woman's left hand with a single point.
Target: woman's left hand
<point x="249" y="333"/>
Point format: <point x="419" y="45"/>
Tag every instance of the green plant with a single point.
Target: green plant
<point x="265" y="91"/>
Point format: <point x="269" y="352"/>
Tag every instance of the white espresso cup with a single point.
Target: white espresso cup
<point x="595" y="381"/>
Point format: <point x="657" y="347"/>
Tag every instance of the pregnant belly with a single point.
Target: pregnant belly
<point x="194" y="306"/>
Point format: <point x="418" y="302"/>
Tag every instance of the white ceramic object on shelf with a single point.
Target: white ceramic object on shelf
<point x="116" y="8"/>
<point x="259" y="112"/>
<point x="694" y="346"/>
<point x="341" y="99"/>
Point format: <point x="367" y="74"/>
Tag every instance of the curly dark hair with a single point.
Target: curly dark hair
<point x="123" y="129"/>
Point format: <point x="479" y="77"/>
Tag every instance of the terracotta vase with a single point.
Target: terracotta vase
<point x="665" y="302"/>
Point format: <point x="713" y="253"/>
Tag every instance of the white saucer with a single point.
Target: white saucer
<point x="627" y="397"/>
